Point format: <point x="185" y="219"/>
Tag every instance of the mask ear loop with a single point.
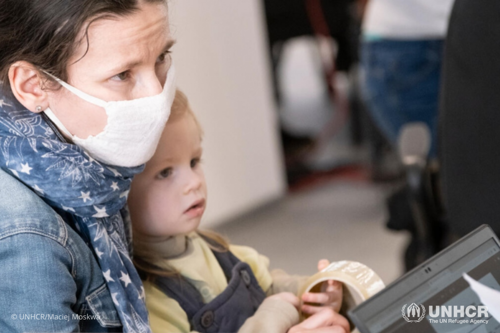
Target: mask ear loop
<point x="79" y="93"/>
<point x="54" y="128"/>
<point x="48" y="112"/>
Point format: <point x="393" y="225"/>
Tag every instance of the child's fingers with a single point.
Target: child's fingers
<point x="311" y="309"/>
<point x="315" y="307"/>
<point x="322" y="264"/>
<point x="330" y="299"/>
<point x="325" y="317"/>
<point x="320" y="298"/>
<point x="327" y="329"/>
<point x="323" y="297"/>
<point x="335" y="283"/>
<point x="331" y="286"/>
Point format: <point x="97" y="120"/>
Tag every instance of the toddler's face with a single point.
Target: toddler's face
<point x="169" y="197"/>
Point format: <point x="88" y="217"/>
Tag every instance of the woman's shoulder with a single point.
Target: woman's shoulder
<point x="45" y="264"/>
<point x="23" y="211"/>
<point x="28" y="223"/>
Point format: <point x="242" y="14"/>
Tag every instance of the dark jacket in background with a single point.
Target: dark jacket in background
<point x="470" y="116"/>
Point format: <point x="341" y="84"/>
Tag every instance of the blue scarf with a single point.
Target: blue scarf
<point x="92" y="193"/>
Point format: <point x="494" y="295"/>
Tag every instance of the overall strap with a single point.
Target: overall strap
<point x="230" y="309"/>
<point x="227" y="260"/>
<point x="179" y="289"/>
<point x="189" y="298"/>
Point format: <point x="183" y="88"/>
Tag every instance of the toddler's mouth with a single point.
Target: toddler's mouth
<point x="196" y="209"/>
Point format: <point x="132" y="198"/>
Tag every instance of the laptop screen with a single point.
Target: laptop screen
<point x="386" y="313"/>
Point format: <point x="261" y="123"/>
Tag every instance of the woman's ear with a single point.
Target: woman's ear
<point x="26" y="85"/>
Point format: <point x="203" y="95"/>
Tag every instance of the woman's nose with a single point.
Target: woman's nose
<point x="150" y="85"/>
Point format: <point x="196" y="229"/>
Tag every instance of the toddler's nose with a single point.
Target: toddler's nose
<point x="193" y="182"/>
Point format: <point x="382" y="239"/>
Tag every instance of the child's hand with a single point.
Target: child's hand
<point x="287" y="297"/>
<point x="330" y="295"/>
<point x="325" y="321"/>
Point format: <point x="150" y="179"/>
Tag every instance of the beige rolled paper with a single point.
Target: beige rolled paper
<point x="359" y="282"/>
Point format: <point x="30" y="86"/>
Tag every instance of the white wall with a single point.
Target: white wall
<point x="223" y="67"/>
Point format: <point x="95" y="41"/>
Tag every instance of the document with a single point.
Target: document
<point x="488" y="296"/>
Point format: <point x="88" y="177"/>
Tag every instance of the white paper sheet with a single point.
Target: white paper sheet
<point x="488" y="296"/>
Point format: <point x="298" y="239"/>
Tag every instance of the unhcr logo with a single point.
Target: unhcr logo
<point x="413" y="313"/>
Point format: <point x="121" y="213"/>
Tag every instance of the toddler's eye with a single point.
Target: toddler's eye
<point x="195" y="162"/>
<point x="165" y="173"/>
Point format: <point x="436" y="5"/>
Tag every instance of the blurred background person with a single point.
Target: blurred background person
<point x="470" y="116"/>
<point x="402" y="45"/>
<point x="401" y="56"/>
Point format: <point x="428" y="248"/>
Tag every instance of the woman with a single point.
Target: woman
<point x="68" y="155"/>
<point x="77" y="270"/>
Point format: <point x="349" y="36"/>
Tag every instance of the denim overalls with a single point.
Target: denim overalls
<point x="229" y="310"/>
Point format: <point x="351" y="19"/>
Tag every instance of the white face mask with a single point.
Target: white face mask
<point x="134" y="127"/>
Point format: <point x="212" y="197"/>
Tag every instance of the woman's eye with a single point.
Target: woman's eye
<point x="165" y="173"/>
<point x="163" y="57"/>
<point x="122" y="76"/>
<point x="195" y="162"/>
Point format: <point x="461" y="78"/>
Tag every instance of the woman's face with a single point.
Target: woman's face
<point x="127" y="58"/>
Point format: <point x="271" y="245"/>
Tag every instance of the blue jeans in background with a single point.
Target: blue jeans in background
<point x="401" y="84"/>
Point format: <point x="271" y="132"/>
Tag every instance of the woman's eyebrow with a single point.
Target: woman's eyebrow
<point x="170" y="43"/>
<point x="132" y="63"/>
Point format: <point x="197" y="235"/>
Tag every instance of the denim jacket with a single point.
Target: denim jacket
<point x="50" y="280"/>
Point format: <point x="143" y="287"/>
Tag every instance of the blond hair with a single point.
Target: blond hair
<point x="181" y="107"/>
<point x="145" y="260"/>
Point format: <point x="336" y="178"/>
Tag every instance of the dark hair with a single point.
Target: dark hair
<point x="44" y="32"/>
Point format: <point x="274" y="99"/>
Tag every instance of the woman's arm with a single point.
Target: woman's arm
<point x="37" y="288"/>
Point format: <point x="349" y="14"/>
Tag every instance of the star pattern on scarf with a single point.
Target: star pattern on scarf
<point x="107" y="276"/>
<point x="39" y="190"/>
<point x="115" y="172"/>
<point x="124" y="194"/>
<point x="126" y="279"/>
<point x="68" y="209"/>
<point x="85" y="196"/>
<point x="99" y="253"/>
<point x="25" y="168"/>
<point x="114" y="297"/>
<point x="114" y="186"/>
<point x="101" y="212"/>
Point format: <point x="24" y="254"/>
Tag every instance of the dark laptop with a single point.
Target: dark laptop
<point x="411" y="303"/>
